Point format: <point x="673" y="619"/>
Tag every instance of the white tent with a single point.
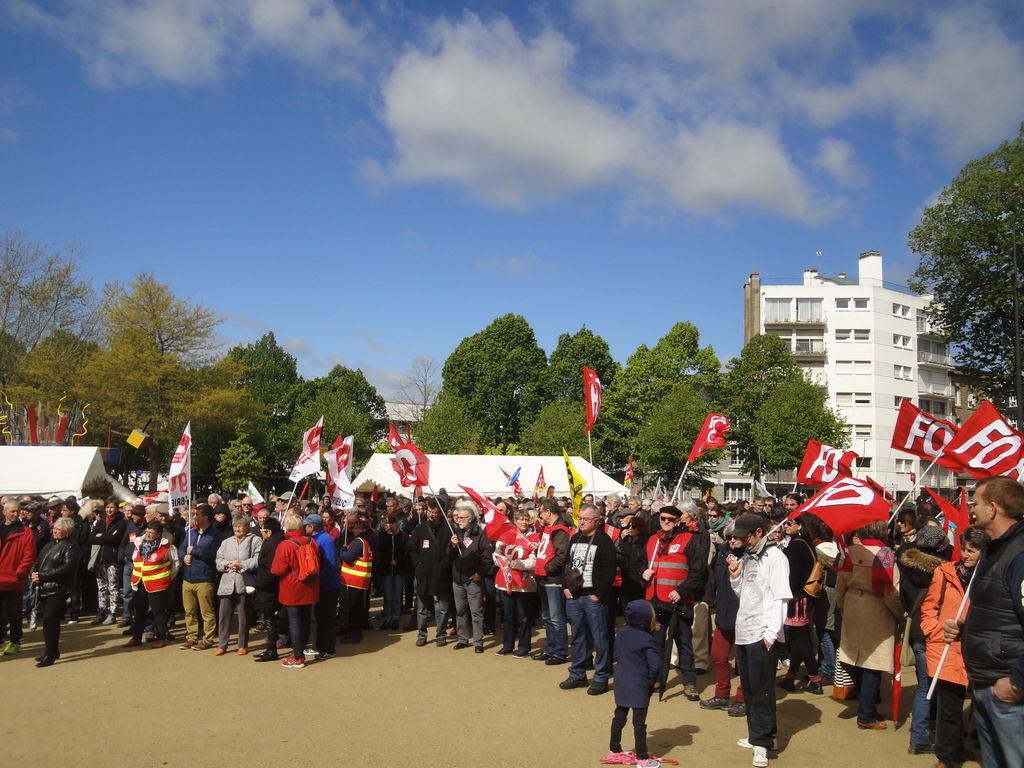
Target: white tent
<point x="56" y="470"/>
<point x="484" y="474"/>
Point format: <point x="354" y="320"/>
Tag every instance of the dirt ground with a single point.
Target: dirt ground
<point x="383" y="702"/>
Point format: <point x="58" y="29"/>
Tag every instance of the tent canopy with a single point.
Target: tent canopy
<point x="54" y="470"/>
<point x="484" y="474"/>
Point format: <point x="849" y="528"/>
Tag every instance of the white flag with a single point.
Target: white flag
<point x="339" y="465"/>
<point x="254" y="494"/>
<point x="179" y="483"/>
<point x="309" y="460"/>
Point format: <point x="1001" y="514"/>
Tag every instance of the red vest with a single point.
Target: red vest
<point x="155" y="571"/>
<point x="670" y="569"/>
<point x="546" y="550"/>
<point x="614" y="532"/>
<point x="519" y="550"/>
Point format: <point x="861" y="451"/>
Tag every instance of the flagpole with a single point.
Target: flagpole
<point x="912" y="491"/>
<point x="959" y="615"/>
<point x="679" y="485"/>
<point x="593" y="483"/>
<point x="444" y="512"/>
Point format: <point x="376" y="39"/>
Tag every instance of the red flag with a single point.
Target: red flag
<point x="412" y="465"/>
<point x="843" y="556"/>
<point x="921" y="434"/>
<point x="592" y="390"/>
<point x="846" y="505"/>
<point x="629" y="472"/>
<point x="541" y="485"/>
<point x="712" y="435"/>
<point x="954" y="515"/>
<point x="498" y="526"/>
<point x="394" y="439"/>
<point x="881" y="489"/>
<point x="824" y="464"/>
<point x="987" y="445"/>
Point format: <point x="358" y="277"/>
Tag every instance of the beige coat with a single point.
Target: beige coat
<point x="870" y="621"/>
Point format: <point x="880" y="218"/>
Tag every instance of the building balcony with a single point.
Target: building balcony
<point x="934" y="359"/>
<point x="804" y="349"/>
<point x="803" y="320"/>
<point x="940" y="390"/>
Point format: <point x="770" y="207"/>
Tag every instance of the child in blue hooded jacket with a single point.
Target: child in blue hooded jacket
<point x="636" y="673"/>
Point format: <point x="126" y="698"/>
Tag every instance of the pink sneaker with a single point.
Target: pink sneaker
<point x="620" y="758"/>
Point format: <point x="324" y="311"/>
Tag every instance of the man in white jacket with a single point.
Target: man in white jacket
<point x="761" y="579"/>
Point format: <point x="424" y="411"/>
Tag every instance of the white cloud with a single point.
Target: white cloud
<point x="964" y="82"/>
<point x="125" y="42"/>
<point x="838" y="158"/>
<point x="526" y="265"/>
<point x="503" y="118"/>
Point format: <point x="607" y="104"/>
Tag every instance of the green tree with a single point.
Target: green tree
<point x="156" y="369"/>
<point x="650" y="374"/>
<point x="664" y="442"/>
<point x="565" y="371"/>
<point x="41" y="294"/>
<point x="558" y="425"/>
<point x="795" y="412"/>
<point x="447" y="427"/>
<point x="499" y="373"/>
<point x="963" y="240"/>
<point x="239" y="463"/>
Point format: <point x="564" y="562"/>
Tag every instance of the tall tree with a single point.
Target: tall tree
<point x="420" y="384"/>
<point x="558" y="425"/>
<point x="796" y="411"/>
<point x="447" y="427"/>
<point x="41" y="293"/>
<point x="565" y="372"/>
<point x="963" y="241"/>
<point x="664" y="442"/>
<point x="500" y="374"/>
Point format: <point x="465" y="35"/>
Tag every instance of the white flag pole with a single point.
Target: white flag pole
<point x="913" y="491"/>
<point x="945" y="651"/>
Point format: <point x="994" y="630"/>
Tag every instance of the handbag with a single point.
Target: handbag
<point x="94" y="556"/>
<point x="249" y="581"/>
<point x="816" y="581"/>
<point x="573" y="578"/>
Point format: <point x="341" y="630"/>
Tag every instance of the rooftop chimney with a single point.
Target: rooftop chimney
<point x="870" y="271"/>
<point x="809" y="275"/>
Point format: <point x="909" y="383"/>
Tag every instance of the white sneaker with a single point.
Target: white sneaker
<point x="747" y="745"/>
<point x="760" y="757"/>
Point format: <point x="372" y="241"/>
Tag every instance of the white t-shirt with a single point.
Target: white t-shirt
<point x="763" y="588"/>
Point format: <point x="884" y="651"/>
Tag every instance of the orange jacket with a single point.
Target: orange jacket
<point x="941" y="603"/>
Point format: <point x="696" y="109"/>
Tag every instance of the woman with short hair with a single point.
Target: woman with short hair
<point x="53" y="576"/>
<point x="154" y="565"/>
<point x="237" y="558"/>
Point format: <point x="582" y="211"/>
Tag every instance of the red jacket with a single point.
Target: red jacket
<point x="286" y="565"/>
<point x="16" y="557"/>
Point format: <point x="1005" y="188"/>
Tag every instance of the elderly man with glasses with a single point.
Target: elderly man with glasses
<point x="587" y="580"/>
<point x="472" y="557"/>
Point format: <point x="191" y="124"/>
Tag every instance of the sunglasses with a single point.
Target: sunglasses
<point x="713" y="517"/>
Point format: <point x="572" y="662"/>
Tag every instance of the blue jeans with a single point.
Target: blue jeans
<point x="128" y="593"/>
<point x="589" y="620"/>
<point x="515" y="622"/>
<point x="999" y="730"/>
<point x="870" y="685"/>
<point x="827" y="664"/>
<point x="392" y="587"/>
<point x="552" y="611"/>
<point x="919" y="733"/>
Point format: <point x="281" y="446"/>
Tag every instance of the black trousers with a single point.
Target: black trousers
<point x="801" y="650"/>
<point x="160" y="603"/>
<point x="326" y="612"/>
<point x="270" y="617"/>
<point x="10" y="615"/>
<point x="682" y="615"/>
<point x="639" y="730"/>
<point x="757" y="676"/>
<point x="949" y="714"/>
<point x="53" y="612"/>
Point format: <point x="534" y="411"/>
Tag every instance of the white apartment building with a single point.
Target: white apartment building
<point x="870" y="346"/>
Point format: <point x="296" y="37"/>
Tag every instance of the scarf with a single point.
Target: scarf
<point x="109" y="518"/>
<point x="146" y="548"/>
<point x="963" y="573"/>
<point x="717" y="525"/>
<point x="664" y="539"/>
<point x="881" y="568"/>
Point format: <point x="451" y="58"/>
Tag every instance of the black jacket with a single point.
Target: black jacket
<point x="631" y="557"/>
<point x="109" y="537"/>
<point x="727" y="602"/>
<point x="428" y="551"/>
<point x="473" y="556"/>
<point x="57" y="566"/>
<point x="266" y="583"/>
<point x="392" y="548"/>
<point x="602" y="554"/>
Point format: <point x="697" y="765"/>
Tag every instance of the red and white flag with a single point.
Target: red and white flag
<point x="339" y="468"/>
<point x="497" y="524"/>
<point x="309" y="460"/>
<point x="847" y="504"/>
<point x="987" y="446"/>
<point x="921" y="434"/>
<point x="541" y="485"/>
<point x="394" y="440"/>
<point x="179" y="477"/>
<point x="412" y="465"/>
<point x="824" y="464"/>
<point x="712" y="435"/>
<point x="628" y="480"/>
<point x="843" y="562"/>
<point x="592" y="390"/>
<point x="954" y="515"/>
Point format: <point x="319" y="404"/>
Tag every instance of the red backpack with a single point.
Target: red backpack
<point x="309" y="560"/>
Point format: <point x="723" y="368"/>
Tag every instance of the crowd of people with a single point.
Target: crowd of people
<point x="755" y="589"/>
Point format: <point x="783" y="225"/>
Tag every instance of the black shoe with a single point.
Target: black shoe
<point x="570" y="683"/>
<point x="786" y="684"/>
<point x="460" y="646"/>
<point x="554" y="661"/>
<point x="267" y="656"/>
<point x="127" y="632"/>
<point x="814" y="687"/>
<point x="479" y="649"/>
<point x="596" y="689"/>
<point x="715" y="702"/>
<point x="541" y="657"/>
<point x="46" y="661"/>
<point x="441" y="642"/>
<point x="503" y="652"/>
<point x="920" y="749"/>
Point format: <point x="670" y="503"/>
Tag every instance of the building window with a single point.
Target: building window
<point x="901" y="310"/>
<point x="899" y="399"/>
<point x="842" y="303"/>
<point x="862" y="430"/>
<point x="737" y="491"/>
<point x="860" y="303"/>
<point x="862" y="398"/>
<point x="812" y="346"/>
<point x="735" y="457"/>
<point x="904" y="466"/>
<point x="861" y="334"/>
<point x="859" y="367"/>
<point x="777" y="310"/>
<point x="900" y="341"/>
<point x="853" y="398"/>
<point x="863" y="462"/>
<point x="844" y="335"/>
<point x="934" y="407"/>
<point x="904" y="372"/>
<point x="808" y="311"/>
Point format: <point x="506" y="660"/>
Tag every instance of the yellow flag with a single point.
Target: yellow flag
<point x="576" y="484"/>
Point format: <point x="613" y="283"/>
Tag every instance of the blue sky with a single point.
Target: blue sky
<point x="376" y="181"/>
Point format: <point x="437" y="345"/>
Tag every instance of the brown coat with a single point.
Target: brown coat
<point x="941" y="603"/>
<point x="869" y="620"/>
